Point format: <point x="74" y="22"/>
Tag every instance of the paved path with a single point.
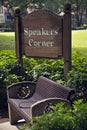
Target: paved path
<point x="7" y="126"/>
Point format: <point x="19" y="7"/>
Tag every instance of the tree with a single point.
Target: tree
<point x="79" y="7"/>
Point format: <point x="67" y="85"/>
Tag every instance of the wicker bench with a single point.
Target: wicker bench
<point x="39" y="96"/>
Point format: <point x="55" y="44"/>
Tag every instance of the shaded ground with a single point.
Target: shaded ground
<point x="3" y="115"/>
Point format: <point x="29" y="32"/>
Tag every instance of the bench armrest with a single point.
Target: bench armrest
<point x="43" y="106"/>
<point x="12" y="90"/>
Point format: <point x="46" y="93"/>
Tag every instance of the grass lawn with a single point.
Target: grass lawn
<point x="7" y="40"/>
<point x="79" y="40"/>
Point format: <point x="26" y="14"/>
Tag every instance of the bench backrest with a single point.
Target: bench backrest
<point x="48" y="88"/>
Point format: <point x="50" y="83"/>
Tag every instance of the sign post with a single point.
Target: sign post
<point x="18" y="39"/>
<point x="67" y="40"/>
<point x="44" y="34"/>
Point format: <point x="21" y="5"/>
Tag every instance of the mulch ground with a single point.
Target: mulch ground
<point x="4" y="115"/>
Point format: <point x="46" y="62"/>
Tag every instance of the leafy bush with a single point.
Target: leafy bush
<point x="62" y="118"/>
<point x="77" y="78"/>
<point x="11" y="72"/>
<point x="52" y="69"/>
<point x="7" y="58"/>
<point x="8" y="26"/>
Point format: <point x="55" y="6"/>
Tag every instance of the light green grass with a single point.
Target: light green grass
<point x="7" y="40"/>
<point x="79" y="41"/>
<point x="6" y="33"/>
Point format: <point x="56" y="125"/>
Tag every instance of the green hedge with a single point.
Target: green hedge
<point x="11" y="72"/>
<point x="77" y="77"/>
<point x="62" y="118"/>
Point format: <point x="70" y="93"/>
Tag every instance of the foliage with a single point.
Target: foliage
<point x="14" y="3"/>
<point x="78" y="8"/>
<point x="11" y="72"/>
<point x="62" y="118"/>
<point x="77" y="77"/>
<point x="4" y="73"/>
<point x="9" y="25"/>
<point x="52" y="69"/>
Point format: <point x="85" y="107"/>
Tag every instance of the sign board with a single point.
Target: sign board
<point x="42" y="32"/>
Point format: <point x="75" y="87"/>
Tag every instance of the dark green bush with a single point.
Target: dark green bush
<point x="8" y="26"/>
<point x="11" y="72"/>
<point x="77" y="78"/>
<point x="52" y="69"/>
<point x="62" y="118"/>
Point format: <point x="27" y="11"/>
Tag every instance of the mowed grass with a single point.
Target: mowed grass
<point x="7" y="40"/>
<point x="79" y="41"/>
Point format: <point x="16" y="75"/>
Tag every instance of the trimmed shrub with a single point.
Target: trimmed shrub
<point x="62" y="118"/>
<point x="11" y="72"/>
<point x="77" y="77"/>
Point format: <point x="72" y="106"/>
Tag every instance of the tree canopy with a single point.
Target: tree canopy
<point x="79" y="7"/>
<point x="51" y="4"/>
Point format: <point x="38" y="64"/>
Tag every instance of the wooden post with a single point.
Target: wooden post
<point x="67" y="39"/>
<point x="18" y="35"/>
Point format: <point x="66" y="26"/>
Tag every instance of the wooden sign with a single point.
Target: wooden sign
<point x="42" y="32"/>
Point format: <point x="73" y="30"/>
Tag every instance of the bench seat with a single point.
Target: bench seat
<point x="42" y="93"/>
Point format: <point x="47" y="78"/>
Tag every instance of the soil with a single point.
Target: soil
<point x="4" y="115"/>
